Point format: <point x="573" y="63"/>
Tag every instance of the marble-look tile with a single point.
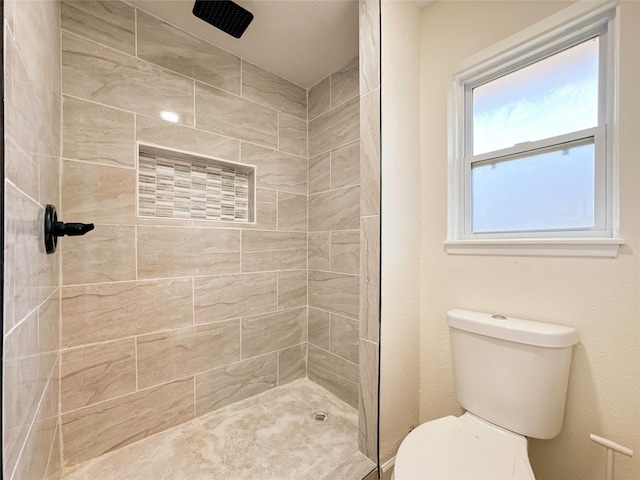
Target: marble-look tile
<point x="345" y="252"/>
<point x="236" y="435"/>
<point x="370" y="279"/>
<point x="292" y="289"/>
<point x="267" y="333"/>
<point x="99" y="313"/>
<point x="54" y="465"/>
<point x="344" y="337"/>
<point x="319" y="328"/>
<point x="320" y="98"/>
<point x="108" y="22"/>
<point x="335" y="210"/>
<point x="339" y="126"/>
<point x="345" y="166"/>
<point x="125" y="420"/>
<point x="232" y="296"/>
<point x="96" y="373"/>
<point x="175" y="251"/>
<point x="165" y="45"/>
<point x="97" y="73"/>
<point x="292" y="363"/>
<point x="49" y="324"/>
<point x="292" y="135"/>
<point x="22" y="169"/>
<point x="370" y="154"/>
<point x="334" y="292"/>
<point x="93" y="193"/>
<point x="269" y="89"/>
<point x="276" y="170"/>
<point x="268" y="251"/>
<point x="292" y="212"/>
<point x="166" y="356"/>
<point x="49" y="179"/>
<point x="369" y="32"/>
<point x="96" y="133"/>
<point x="320" y="173"/>
<point x="345" y="83"/>
<point x="170" y="135"/>
<point x="357" y="467"/>
<point x="334" y="373"/>
<point x="227" y="114"/>
<point x="319" y="251"/>
<point x="267" y="209"/>
<point x="368" y="403"/>
<point x="105" y="254"/>
<point x="226" y="385"/>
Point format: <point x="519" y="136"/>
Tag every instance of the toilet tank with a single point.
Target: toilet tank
<point x="511" y="372"/>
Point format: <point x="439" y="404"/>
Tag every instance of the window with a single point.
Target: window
<point x="532" y="166"/>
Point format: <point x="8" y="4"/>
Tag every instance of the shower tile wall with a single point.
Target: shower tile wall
<point x="163" y="319"/>
<point x="334" y="236"/>
<point x="30" y="436"/>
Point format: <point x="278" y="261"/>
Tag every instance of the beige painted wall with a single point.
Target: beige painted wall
<point x="399" y="366"/>
<point x="597" y="296"/>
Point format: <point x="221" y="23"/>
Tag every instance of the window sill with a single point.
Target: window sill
<point x="549" y="247"/>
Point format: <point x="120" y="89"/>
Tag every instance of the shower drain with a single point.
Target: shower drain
<point x="320" y="416"/>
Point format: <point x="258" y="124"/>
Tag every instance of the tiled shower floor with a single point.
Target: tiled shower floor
<point x="272" y="436"/>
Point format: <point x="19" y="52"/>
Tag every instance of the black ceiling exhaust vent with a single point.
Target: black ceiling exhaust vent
<point x="228" y="16"/>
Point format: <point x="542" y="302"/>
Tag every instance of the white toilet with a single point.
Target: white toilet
<point x="511" y="377"/>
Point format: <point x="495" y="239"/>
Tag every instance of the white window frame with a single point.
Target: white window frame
<point x="569" y="27"/>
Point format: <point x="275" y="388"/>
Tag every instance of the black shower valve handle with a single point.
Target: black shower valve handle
<point x="54" y="229"/>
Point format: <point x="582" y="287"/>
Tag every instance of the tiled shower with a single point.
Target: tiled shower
<point x="164" y="317"/>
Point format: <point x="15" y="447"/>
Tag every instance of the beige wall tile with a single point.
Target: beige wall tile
<point x="339" y="126"/>
<point x="268" y="89"/>
<point x="369" y="45"/>
<point x="319" y="328"/>
<point x="96" y="373"/>
<point x="166" y="356"/>
<point x="170" y="135"/>
<point x="368" y="399"/>
<point x="267" y="333"/>
<point x="335" y="374"/>
<point x="268" y="251"/>
<point x="320" y="98"/>
<point x="125" y="420"/>
<point x="49" y="324"/>
<point x="292" y="363"/>
<point x="335" y="210"/>
<point x="370" y="275"/>
<point x="345" y="335"/>
<point x="103" y="312"/>
<point x="320" y="173"/>
<point x="276" y="170"/>
<point x="175" y="49"/>
<point x="108" y="22"/>
<point x="345" y="252"/>
<point x="345" y="83"/>
<point x="334" y="292"/>
<point x="23" y="169"/>
<point x="345" y="166"/>
<point x="98" y="193"/>
<point x="175" y="251"/>
<point x="96" y="133"/>
<point x="370" y="154"/>
<point x="227" y="114"/>
<point x="232" y="296"/>
<point x="96" y="73"/>
<point x="292" y="135"/>
<point x="106" y="254"/>
<point x="292" y="212"/>
<point x="226" y="385"/>
<point x="267" y="209"/>
<point x="319" y="251"/>
<point x="292" y="289"/>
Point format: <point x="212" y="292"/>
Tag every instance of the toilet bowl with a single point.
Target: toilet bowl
<point x="511" y="377"/>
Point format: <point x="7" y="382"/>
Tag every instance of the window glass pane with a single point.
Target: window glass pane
<point x="554" y="96"/>
<point x="549" y="190"/>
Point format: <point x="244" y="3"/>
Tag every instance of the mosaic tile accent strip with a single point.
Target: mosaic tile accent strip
<point x="176" y="185"/>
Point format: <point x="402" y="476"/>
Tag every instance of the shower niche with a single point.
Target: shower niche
<point x="179" y="185"/>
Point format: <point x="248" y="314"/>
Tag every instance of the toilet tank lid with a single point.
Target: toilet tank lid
<point x="513" y="329"/>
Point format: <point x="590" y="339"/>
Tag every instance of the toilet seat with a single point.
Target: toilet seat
<point x="463" y="447"/>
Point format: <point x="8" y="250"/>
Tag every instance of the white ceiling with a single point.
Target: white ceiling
<point x="300" y="40"/>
